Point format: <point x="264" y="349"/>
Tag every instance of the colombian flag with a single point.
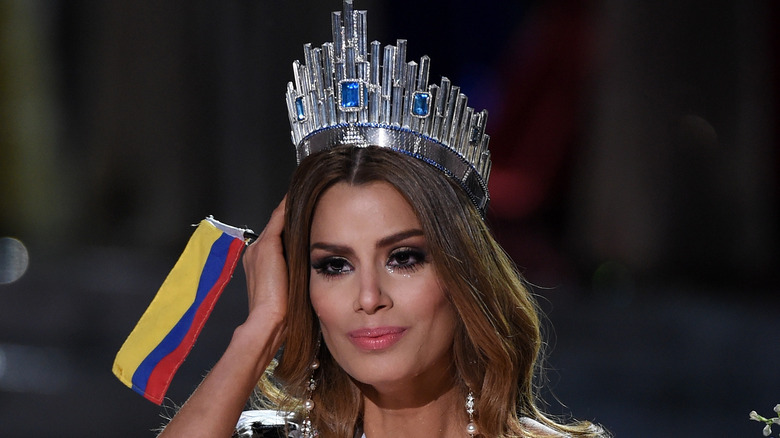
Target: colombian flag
<point x="164" y="336"/>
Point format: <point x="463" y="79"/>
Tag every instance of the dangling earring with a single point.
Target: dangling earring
<point x="471" y="428"/>
<point x="308" y="430"/>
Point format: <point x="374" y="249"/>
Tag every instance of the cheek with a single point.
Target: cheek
<point x="444" y="312"/>
<point x="316" y="295"/>
<point x="446" y="319"/>
<point x="325" y="307"/>
<point x="431" y="304"/>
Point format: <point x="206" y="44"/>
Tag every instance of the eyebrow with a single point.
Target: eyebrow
<point x="397" y="237"/>
<point x="385" y="241"/>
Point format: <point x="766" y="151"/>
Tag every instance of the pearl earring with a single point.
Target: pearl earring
<point x="308" y="430"/>
<point x="471" y="428"/>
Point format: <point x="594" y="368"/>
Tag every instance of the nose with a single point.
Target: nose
<point x="371" y="296"/>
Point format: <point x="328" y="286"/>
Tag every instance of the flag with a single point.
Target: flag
<point x="166" y="332"/>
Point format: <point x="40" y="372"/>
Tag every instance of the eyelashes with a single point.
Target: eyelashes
<point x="402" y="260"/>
<point x="332" y="266"/>
<point x="406" y="260"/>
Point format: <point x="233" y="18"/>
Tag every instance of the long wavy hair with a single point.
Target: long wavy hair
<point x="497" y="342"/>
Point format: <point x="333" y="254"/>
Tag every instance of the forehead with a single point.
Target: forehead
<point x="375" y="207"/>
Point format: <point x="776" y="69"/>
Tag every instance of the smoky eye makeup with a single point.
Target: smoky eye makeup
<point x="406" y="260"/>
<point x="331" y="266"/>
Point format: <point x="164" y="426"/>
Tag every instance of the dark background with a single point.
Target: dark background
<point x="635" y="183"/>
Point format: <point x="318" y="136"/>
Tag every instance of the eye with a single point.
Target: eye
<point x="406" y="259"/>
<point x="332" y="266"/>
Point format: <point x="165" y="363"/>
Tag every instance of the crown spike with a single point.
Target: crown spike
<point x="363" y="74"/>
<point x="360" y="28"/>
<point x="296" y="113"/>
<point x="376" y="63"/>
<point x="485" y="163"/>
<point x="425" y="69"/>
<point x="338" y="34"/>
<point x="327" y="64"/>
<point x="331" y="116"/>
<point x="411" y="79"/>
<point x="427" y="123"/>
<point x="479" y="127"/>
<point x="397" y="99"/>
<point x="387" y="83"/>
<point x="314" y="103"/>
<point x="297" y="74"/>
<point x="463" y="133"/>
<point x="470" y="145"/>
<point x="349" y="24"/>
<point x="400" y="62"/>
<point x="375" y="89"/>
<point x="457" y="116"/>
<point x="441" y="108"/>
<point x="308" y="63"/>
<point x="315" y="71"/>
<point x="349" y="63"/>
<point x="449" y="113"/>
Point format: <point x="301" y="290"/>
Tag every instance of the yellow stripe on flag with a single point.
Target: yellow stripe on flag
<point x="175" y="296"/>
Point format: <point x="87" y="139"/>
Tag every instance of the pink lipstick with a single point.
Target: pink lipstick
<point x="377" y="338"/>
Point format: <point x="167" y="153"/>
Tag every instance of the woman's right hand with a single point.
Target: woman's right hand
<point x="266" y="271"/>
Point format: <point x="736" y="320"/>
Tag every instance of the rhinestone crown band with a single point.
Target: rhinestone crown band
<point x="348" y="92"/>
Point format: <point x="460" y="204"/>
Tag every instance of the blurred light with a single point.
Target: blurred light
<point x="13" y="260"/>
<point x="29" y="369"/>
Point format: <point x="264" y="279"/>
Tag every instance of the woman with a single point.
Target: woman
<point x="468" y="323"/>
<point x="397" y="311"/>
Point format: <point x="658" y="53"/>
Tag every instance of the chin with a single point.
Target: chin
<point x="383" y="372"/>
<point x="380" y="372"/>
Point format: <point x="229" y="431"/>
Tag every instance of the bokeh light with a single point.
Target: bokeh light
<point x="14" y="260"/>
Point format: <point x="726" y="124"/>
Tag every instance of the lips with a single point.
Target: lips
<point x="377" y="338"/>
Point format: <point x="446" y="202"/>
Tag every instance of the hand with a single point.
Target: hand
<point x="266" y="270"/>
<point x="216" y="405"/>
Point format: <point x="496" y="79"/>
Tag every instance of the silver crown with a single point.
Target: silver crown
<point x="343" y="94"/>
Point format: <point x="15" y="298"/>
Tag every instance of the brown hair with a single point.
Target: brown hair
<point x="497" y="339"/>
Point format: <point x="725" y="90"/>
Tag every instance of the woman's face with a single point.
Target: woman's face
<point x="374" y="287"/>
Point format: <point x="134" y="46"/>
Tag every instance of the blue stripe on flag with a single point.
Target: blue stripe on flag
<point x="211" y="272"/>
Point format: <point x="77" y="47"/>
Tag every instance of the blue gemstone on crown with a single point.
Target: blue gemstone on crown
<point x="351" y="93"/>
<point x="421" y="104"/>
<point x="300" y="109"/>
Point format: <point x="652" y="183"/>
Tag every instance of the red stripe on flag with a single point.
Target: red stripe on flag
<point x="160" y="378"/>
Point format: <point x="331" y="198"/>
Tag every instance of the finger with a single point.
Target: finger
<point x="264" y="261"/>
<point x="276" y="223"/>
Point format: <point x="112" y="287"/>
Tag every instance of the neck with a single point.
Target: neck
<point x="420" y="411"/>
